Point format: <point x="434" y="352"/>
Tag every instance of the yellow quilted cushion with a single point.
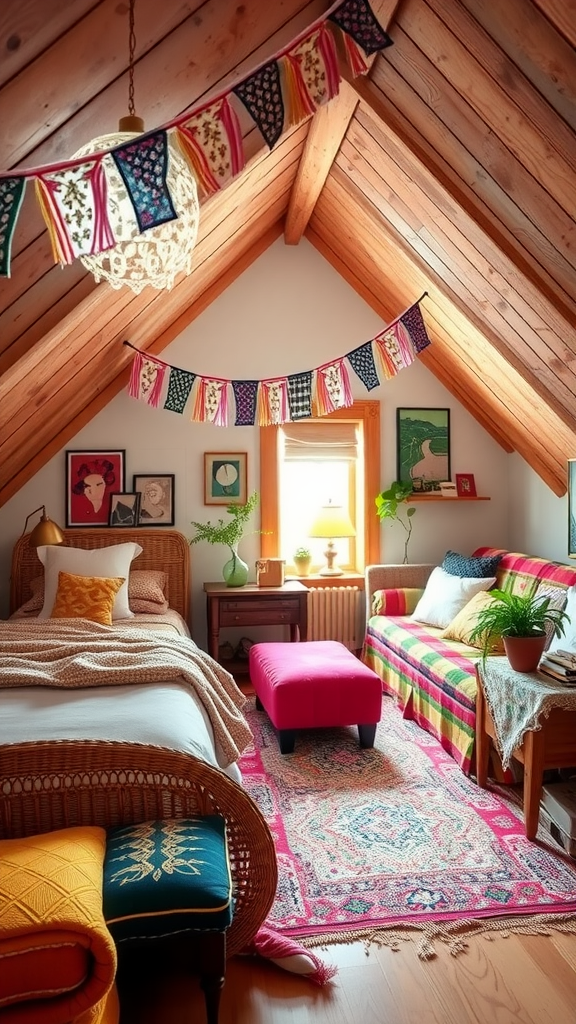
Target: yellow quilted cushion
<point x="466" y="621"/>
<point x="85" y="597"/>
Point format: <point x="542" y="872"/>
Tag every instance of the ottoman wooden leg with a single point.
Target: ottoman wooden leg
<point x="259" y="704"/>
<point x="367" y="734"/>
<point x="286" y="740"/>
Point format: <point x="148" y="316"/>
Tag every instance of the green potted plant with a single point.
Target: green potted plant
<point x="520" y="620"/>
<point x="302" y="560"/>
<point x="387" y="502"/>
<point x="230" y="533"/>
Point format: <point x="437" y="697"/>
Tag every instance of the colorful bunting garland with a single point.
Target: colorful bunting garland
<point x="279" y="400"/>
<point x="72" y="195"/>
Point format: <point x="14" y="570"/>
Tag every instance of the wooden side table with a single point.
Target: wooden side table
<point x="552" y="745"/>
<point x="255" y="606"/>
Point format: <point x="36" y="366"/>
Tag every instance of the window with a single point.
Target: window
<point x="305" y="464"/>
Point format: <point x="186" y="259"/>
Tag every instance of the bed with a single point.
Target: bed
<point x="63" y="762"/>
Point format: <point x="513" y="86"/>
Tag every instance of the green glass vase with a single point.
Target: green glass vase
<point x="235" y="570"/>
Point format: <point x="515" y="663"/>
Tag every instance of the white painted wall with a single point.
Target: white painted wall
<point x="291" y="311"/>
<point x="538" y="518"/>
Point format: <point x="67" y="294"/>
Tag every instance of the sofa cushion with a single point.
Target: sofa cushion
<point x="396" y="601"/>
<point x="475" y="565"/>
<point x="466" y="621"/>
<point x="446" y="595"/>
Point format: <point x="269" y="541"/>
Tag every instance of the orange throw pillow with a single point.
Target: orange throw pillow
<point x="86" y="597"/>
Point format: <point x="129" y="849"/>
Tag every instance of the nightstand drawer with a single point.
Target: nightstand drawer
<point x="258" y="612"/>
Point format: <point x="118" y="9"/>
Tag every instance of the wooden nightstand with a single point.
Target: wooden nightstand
<point x="255" y="606"/>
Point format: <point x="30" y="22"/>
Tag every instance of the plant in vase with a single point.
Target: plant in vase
<point x="229" y="533"/>
<point x="387" y="503"/>
<point x="520" y="620"/>
<point x="302" y="560"/>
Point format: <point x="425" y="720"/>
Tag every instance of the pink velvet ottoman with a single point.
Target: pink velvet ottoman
<point x="314" y="684"/>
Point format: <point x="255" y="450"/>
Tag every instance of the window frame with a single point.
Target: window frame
<point x="367" y="412"/>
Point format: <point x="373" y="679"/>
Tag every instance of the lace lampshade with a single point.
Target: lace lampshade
<point x="155" y="256"/>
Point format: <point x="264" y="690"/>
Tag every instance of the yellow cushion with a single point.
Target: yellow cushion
<point x="466" y="621"/>
<point x="85" y="597"/>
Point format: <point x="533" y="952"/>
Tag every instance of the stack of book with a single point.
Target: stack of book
<point x="561" y="666"/>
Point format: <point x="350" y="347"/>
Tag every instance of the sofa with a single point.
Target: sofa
<point x="431" y="669"/>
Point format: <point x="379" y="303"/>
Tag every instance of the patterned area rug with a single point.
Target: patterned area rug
<point x="371" y="842"/>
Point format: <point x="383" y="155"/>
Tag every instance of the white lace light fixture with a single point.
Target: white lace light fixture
<point x="156" y="256"/>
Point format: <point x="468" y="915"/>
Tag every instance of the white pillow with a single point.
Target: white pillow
<point x="111" y="561"/>
<point x="568" y="641"/>
<point x="445" y="595"/>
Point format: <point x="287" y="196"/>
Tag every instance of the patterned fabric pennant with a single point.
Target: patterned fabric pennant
<point x="394" y="348"/>
<point x="414" y="324"/>
<point x="211" y="141"/>
<point x="300" y="395"/>
<point x="273" y="402"/>
<point x="146" y="379"/>
<point x="333" y="389"/>
<point x="143" y="165"/>
<point x="310" y="75"/>
<point x="245" y="394"/>
<point x="180" y="383"/>
<point x="356" y="19"/>
<point x="11" y="197"/>
<point x="74" y="205"/>
<point x="211" y="402"/>
<point x="262" y="96"/>
<point x="361" y="360"/>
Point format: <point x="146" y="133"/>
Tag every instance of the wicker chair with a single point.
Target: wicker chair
<point x="54" y="784"/>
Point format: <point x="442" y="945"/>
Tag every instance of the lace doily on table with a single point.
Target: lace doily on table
<point x="518" y="701"/>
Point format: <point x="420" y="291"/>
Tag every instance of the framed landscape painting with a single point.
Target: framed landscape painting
<point x="571" y="508"/>
<point x="423" y="447"/>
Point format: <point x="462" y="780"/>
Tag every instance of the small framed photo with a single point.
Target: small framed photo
<point x="465" y="485"/>
<point x="156" y="492"/>
<point x="124" y="508"/>
<point x="92" y="476"/>
<point x="571" y="508"/>
<point x="225" y="478"/>
<point x="448" y="489"/>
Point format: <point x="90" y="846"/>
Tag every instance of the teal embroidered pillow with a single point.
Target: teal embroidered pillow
<point x="165" y="876"/>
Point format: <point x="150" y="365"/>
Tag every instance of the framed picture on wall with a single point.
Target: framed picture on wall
<point x="465" y="485"/>
<point x="571" y="508"/>
<point x="423" y="447"/>
<point x="156" y="492"/>
<point x="225" y="478"/>
<point x="124" y="508"/>
<point x="92" y="476"/>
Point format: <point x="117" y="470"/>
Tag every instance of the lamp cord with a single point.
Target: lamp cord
<point x="132" y="46"/>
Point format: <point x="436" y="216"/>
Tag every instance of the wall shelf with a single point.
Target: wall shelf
<point x="440" y="497"/>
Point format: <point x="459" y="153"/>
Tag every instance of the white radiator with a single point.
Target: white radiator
<point x="336" y="613"/>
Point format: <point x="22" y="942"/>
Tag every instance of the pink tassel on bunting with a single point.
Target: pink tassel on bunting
<point x="73" y="203"/>
<point x="354" y="56"/>
<point x="290" y="956"/>
<point x="395" y="345"/>
<point x="211" y="141"/>
<point x="333" y="390"/>
<point x="327" y="48"/>
<point x="211" y="402"/>
<point x="146" y="379"/>
<point x="272" y="407"/>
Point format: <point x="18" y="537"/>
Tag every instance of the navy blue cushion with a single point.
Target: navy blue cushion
<point x="467" y="567"/>
<point x="165" y="876"/>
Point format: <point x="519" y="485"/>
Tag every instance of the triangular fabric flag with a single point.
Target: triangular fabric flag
<point x="300" y="395"/>
<point x="11" y="196"/>
<point x="143" y="165"/>
<point x="74" y="205"/>
<point x="333" y="389"/>
<point x="146" y="379"/>
<point x="180" y="383"/>
<point x="245" y="394"/>
<point x="395" y="349"/>
<point x="310" y="75"/>
<point x="414" y="324"/>
<point x="273" y="402"/>
<point x="211" y="141"/>
<point x="211" y="402"/>
<point x="357" y="20"/>
<point x="361" y="360"/>
<point x="261" y="94"/>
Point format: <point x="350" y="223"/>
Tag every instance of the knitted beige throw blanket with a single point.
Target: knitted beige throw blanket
<point x="74" y="653"/>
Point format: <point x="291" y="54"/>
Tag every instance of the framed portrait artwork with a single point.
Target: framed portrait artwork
<point x="225" y="478"/>
<point x="465" y="485"/>
<point x="423" y="447"/>
<point x="92" y="476"/>
<point x="156" y="492"/>
<point x="571" y="508"/>
<point x="124" y="508"/>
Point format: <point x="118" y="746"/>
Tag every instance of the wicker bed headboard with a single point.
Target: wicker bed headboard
<point x="166" y="550"/>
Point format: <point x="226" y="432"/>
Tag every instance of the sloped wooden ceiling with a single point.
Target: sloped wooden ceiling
<point x="450" y="169"/>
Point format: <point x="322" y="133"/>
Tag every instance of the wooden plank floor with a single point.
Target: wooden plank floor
<point x="522" y="979"/>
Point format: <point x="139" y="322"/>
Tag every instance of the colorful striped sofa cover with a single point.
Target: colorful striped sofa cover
<point x="434" y="680"/>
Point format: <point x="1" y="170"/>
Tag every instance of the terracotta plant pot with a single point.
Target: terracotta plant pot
<point x="524" y="652"/>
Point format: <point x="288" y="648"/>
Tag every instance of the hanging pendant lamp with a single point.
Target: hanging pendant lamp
<point x="154" y="257"/>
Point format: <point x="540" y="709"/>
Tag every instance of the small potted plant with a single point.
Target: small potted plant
<point x="302" y="560"/>
<point x="520" y="620"/>
<point x="387" y="503"/>
<point x="230" y="533"/>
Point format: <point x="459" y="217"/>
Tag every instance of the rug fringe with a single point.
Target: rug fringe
<point x="452" y="934"/>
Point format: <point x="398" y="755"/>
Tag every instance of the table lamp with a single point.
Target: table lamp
<point x="45" y="532"/>
<point x="331" y="522"/>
